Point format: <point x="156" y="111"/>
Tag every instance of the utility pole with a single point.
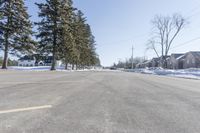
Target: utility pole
<point x="132" y="57"/>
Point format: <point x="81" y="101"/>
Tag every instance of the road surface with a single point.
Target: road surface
<point x="97" y="102"/>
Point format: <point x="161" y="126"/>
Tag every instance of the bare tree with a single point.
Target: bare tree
<point x="151" y="46"/>
<point x="165" y="30"/>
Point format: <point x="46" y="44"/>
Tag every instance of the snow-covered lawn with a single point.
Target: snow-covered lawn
<point x="39" y="68"/>
<point x="192" y="73"/>
<point x="46" y="68"/>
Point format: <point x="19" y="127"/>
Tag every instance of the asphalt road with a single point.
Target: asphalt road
<point x="97" y="102"/>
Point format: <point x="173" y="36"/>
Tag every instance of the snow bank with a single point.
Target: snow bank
<point x="192" y="73"/>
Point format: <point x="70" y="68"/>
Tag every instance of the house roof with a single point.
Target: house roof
<point x="27" y="57"/>
<point x="180" y="57"/>
<point x="158" y="59"/>
<point x="147" y="61"/>
<point x="155" y="59"/>
<point x="196" y="54"/>
<point x="177" y="55"/>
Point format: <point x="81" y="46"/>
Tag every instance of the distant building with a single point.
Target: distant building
<point x="148" y="63"/>
<point x="27" y="61"/>
<point x="175" y="61"/>
<point x="192" y="60"/>
<point x="155" y="62"/>
<point x="35" y="60"/>
<point x="49" y="59"/>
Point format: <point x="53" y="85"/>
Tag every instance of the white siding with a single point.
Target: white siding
<point x="27" y="63"/>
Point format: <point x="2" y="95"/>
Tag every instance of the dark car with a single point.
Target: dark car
<point x="113" y="68"/>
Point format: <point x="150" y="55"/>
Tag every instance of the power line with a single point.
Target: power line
<point x="192" y="14"/>
<point x="185" y="43"/>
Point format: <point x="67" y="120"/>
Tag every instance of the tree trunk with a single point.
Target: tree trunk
<point x="72" y="66"/>
<point x="66" y="66"/>
<point x="5" y="60"/>
<point x="164" y="62"/>
<point x="76" y="66"/>
<point x="53" y="65"/>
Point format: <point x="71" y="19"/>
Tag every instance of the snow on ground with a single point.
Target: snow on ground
<point x="193" y="73"/>
<point x="39" y="68"/>
<point x="46" y="68"/>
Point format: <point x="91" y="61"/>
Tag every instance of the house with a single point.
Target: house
<point x="144" y="64"/>
<point x="175" y="61"/>
<point x="35" y="60"/>
<point x="139" y="65"/>
<point x="163" y="61"/>
<point x="192" y="60"/>
<point x="155" y="62"/>
<point x="27" y="61"/>
<point x="148" y="63"/>
<point x="49" y="59"/>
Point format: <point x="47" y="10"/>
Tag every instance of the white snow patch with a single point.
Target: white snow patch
<point x="193" y="73"/>
<point x="47" y="68"/>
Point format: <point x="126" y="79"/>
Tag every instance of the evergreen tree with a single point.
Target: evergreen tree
<point x="50" y="28"/>
<point x="66" y="47"/>
<point x="91" y="58"/>
<point x="83" y="45"/>
<point x="64" y="33"/>
<point x="15" y="34"/>
<point x="71" y="45"/>
<point x="78" y="38"/>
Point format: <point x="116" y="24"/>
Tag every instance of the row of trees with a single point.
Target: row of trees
<point x="62" y="32"/>
<point x="127" y="64"/>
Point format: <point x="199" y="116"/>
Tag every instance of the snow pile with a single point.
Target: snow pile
<point x="193" y="73"/>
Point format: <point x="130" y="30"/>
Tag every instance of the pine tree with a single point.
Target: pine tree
<point x="50" y="28"/>
<point x="83" y="51"/>
<point x="15" y="34"/>
<point x="71" y="39"/>
<point x="80" y="39"/>
<point x="91" y="55"/>
<point x="66" y="47"/>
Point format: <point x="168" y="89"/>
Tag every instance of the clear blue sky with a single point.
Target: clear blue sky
<point x="119" y="24"/>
